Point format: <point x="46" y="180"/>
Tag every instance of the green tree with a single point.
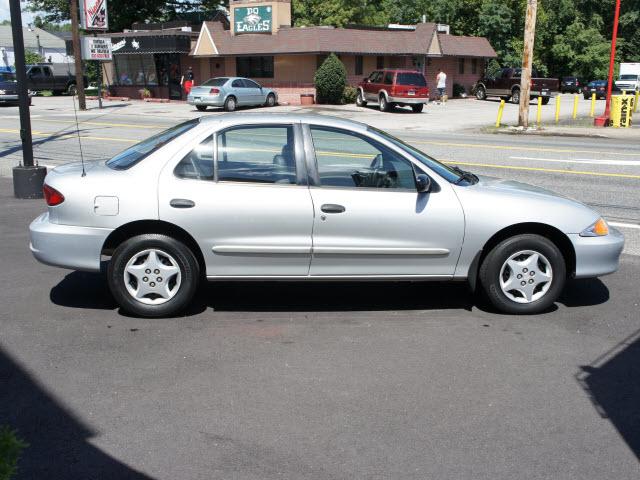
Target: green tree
<point x="10" y="449"/>
<point x="330" y="80"/>
<point x="32" y="57"/>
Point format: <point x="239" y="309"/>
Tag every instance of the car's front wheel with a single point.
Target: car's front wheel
<point x="271" y="100"/>
<point x="481" y="93"/>
<point x="153" y="275"/>
<point x="523" y="274"/>
<point x="360" y="101"/>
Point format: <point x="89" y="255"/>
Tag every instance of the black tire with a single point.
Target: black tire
<point x="201" y="108"/>
<point x="481" y="93"/>
<point x="491" y="267"/>
<point x="71" y="89"/>
<point x="230" y="104"/>
<point x="360" y="101"/>
<point x="384" y="105"/>
<point x="271" y="100"/>
<point x="515" y="96"/>
<point x="545" y="100"/>
<point x="417" y="108"/>
<point x="183" y="257"/>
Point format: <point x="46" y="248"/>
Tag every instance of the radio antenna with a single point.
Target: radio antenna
<point x="75" y="113"/>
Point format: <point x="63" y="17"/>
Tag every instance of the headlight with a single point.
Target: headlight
<point x="2" y="92"/>
<point x="598" y="229"/>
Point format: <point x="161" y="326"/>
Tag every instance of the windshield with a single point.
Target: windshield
<point x="215" y="82"/>
<point x="446" y="172"/>
<point x="7" y="77"/>
<point x="133" y="155"/>
<point x="629" y="77"/>
<point x="416" y="79"/>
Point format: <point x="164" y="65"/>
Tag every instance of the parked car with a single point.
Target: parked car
<point x="506" y="84"/>
<point x="389" y="88"/>
<point x="8" y="88"/>
<point x="309" y="197"/>
<point x="599" y="87"/>
<point x="42" y="77"/>
<point x="571" y="85"/>
<point x="230" y="93"/>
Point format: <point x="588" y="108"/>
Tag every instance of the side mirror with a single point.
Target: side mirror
<point x="423" y="182"/>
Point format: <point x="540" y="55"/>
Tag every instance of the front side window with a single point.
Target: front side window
<point x="346" y="159"/>
<point x="198" y="163"/>
<point x="250" y="83"/>
<point x="132" y="155"/>
<point x="259" y="154"/>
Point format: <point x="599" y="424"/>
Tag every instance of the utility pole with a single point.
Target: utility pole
<point x="77" y="55"/>
<point x="527" y="61"/>
<point x="27" y="178"/>
<point x="603" y="119"/>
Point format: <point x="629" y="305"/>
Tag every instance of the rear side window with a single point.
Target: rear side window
<point x="414" y="79"/>
<point x="215" y="82"/>
<point x="258" y="154"/>
<point x="139" y="151"/>
<point x="388" y="78"/>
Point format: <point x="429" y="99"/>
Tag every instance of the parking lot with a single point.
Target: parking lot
<point x="316" y="381"/>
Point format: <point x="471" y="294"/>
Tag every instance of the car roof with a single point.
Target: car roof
<point x="248" y="118"/>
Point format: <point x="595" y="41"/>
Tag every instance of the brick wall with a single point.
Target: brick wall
<point x="450" y="66"/>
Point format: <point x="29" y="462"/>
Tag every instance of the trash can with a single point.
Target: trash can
<point x="621" y="111"/>
<point x="306" y="99"/>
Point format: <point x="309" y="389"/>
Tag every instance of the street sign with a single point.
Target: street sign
<point x="252" y="19"/>
<point x="96" y="48"/>
<point x="93" y="14"/>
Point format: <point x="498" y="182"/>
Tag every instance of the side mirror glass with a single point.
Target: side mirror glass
<point x="423" y="183"/>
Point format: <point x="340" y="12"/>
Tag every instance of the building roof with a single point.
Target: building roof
<point x="453" y="45"/>
<point x="47" y="40"/>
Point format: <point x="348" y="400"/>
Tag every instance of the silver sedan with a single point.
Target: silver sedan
<point x="290" y="197"/>
<point x="231" y="93"/>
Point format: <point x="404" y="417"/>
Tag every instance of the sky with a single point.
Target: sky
<point x="27" y="17"/>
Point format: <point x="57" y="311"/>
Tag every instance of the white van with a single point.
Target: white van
<point x="629" y="79"/>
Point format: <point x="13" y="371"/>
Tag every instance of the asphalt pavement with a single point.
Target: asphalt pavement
<point x="326" y="381"/>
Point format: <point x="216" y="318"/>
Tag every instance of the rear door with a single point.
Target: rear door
<point x="240" y="91"/>
<point x="242" y="194"/>
<point x="369" y="218"/>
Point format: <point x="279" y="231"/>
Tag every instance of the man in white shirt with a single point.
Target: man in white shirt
<point x="441" y="84"/>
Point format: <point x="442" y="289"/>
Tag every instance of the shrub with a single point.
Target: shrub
<point x="459" y="90"/>
<point x="330" y="80"/>
<point x="10" y="448"/>
<point x="349" y="94"/>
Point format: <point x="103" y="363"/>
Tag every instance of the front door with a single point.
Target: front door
<point x="369" y="217"/>
<point x="254" y="92"/>
<point x="252" y="214"/>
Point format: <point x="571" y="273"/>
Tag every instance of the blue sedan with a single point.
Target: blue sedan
<point x="230" y="93"/>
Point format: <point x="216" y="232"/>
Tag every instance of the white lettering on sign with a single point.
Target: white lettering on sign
<point x="117" y="46"/>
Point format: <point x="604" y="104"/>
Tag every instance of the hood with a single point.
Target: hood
<point x="8" y="86"/>
<point x="512" y="186"/>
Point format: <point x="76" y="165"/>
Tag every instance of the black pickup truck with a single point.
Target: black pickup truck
<point x="506" y="84"/>
<point x="43" y="77"/>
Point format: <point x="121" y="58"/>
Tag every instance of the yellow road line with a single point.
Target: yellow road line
<point x="516" y="147"/>
<point x="538" y="169"/>
<point x="104" y="124"/>
<point x="66" y="136"/>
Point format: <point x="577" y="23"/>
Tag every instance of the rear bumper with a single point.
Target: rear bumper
<point x="67" y="246"/>
<point x="408" y="100"/>
<point x="596" y="256"/>
<point x="209" y="100"/>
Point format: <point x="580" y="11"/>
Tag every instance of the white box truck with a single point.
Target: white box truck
<point x="629" y="79"/>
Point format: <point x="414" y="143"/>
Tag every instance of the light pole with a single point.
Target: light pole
<point x="602" y="120"/>
<point x="27" y="177"/>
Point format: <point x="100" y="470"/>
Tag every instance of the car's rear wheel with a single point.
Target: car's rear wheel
<point x="523" y="274"/>
<point x="230" y="104"/>
<point x="153" y="275"/>
<point x="360" y="101"/>
<point x="201" y="108"/>
<point x="271" y="100"/>
<point x="417" y="108"/>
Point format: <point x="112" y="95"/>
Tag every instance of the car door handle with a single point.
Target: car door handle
<point x="332" y="208"/>
<point x="182" y="203"/>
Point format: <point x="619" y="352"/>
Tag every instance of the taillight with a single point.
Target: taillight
<point x="52" y="196"/>
<point x="214" y="90"/>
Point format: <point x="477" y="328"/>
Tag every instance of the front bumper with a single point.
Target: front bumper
<point x="408" y="100"/>
<point x="209" y="100"/>
<point x="597" y="256"/>
<point x="67" y="246"/>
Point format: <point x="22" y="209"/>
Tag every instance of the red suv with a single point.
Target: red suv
<point x="394" y="87"/>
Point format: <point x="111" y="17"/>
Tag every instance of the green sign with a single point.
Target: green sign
<point x="252" y="19"/>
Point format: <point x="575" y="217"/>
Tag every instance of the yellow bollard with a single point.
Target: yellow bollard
<point x="539" y="113"/>
<point x="558" y="108"/>
<point x="635" y="103"/>
<point x="575" y="107"/>
<point x="593" y="105"/>
<point x="500" y="110"/>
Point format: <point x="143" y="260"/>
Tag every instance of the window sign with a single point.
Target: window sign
<point x="252" y="19"/>
<point x="94" y="15"/>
